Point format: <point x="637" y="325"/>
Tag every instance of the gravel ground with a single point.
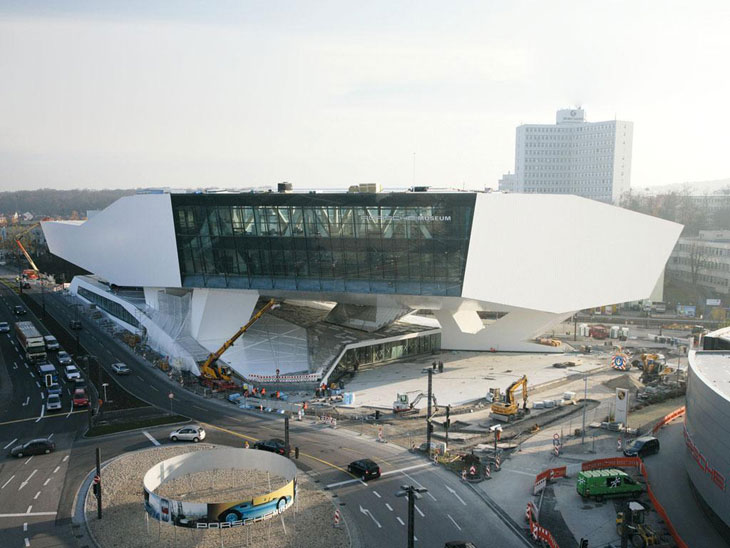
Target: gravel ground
<point x="307" y="524"/>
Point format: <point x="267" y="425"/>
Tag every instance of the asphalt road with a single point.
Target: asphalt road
<point x="450" y="510"/>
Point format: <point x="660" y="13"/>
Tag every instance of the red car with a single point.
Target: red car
<point x="80" y="399"/>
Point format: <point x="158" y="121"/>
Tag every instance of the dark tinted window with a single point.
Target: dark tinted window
<point x="408" y="243"/>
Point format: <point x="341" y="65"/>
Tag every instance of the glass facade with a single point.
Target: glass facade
<point x="405" y="243"/>
<point x="109" y="306"/>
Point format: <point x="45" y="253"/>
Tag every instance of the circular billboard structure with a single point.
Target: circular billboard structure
<point x="215" y="513"/>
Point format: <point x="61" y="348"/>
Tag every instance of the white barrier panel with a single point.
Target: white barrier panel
<point x="205" y="515"/>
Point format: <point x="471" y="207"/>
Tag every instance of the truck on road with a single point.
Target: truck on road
<point x="31" y="341"/>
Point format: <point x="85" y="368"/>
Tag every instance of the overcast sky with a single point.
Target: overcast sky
<point x="327" y="94"/>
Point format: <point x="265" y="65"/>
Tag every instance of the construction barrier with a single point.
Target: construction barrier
<point x="613" y="462"/>
<point x="537" y="531"/>
<point x="543" y="477"/>
<point x="673" y="415"/>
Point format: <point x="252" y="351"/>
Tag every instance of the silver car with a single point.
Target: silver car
<point x="53" y="403"/>
<point x="71" y="372"/>
<point x="192" y="433"/>
<point x="64" y="358"/>
<point x="121" y="369"/>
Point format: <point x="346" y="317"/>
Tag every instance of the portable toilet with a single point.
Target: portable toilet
<point x="615" y="330"/>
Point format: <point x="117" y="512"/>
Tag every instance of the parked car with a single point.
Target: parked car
<point x="121" y="369"/>
<point x="80" y="399"/>
<point x="64" y="358"/>
<point x="51" y="342"/>
<point x="4" y="327"/>
<point x="33" y="447"/>
<point x="641" y="447"/>
<point x="74" y="324"/>
<point x="18" y="310"/>
<point x="274" y="445"/>
<point x="53" y="403"/>
<point x="54" y="388"/>
<point x="192" y="433"/>
<point x="610" y="482"/>
<point x="71" y="372"/>
<point x="365" y="469"/>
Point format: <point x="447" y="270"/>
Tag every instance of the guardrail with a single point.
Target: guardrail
<point x="668" y="418"/>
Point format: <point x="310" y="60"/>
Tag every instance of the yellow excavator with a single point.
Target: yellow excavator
<point x="509" y="409"/>
<point x="211" y="369"/>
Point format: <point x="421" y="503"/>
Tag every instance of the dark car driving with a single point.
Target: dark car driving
<point x="38" y="446"/>
<point x="364" y="468"/>
<point x="274" y="445"/>
<point x="641" y="447"/>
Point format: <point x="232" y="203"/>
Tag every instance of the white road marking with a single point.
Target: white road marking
<point x="140" y="378"/>
<point x="38" y="494"/>
<point x="43" y="410"/>
<point x="11" y="443"/>
<point x="23" y="484"/>
<point x="29" y="509"/>
<point x="49" y="437"/>
<point x="43" y="396"/>
<point x="46" y="482"/>
<point x="25" y="526"/>
<point x="455" y="524"/>
<point x="149" y="437"/>
<point x="388" y="506"/>
<point x="456" y="495"/>
<point x="153" y="388"/>
<point x="65" y="458"/>
<point x="346" y="482"/>
<point x="419" y="510"/>
<point x="11" y="479"/>
<point x="399" y="520"/>
<point x="368" y="513"/>
<point x="38" y="384"/>
<point x="376" y="494"/>
<point x="56" y="469"/>
<point x="31" y="374"/>
<point x="419" y="485"/>
<point x="27" y="401"/>
<point x="27" y="542"/>
<point x="29" y="458"/>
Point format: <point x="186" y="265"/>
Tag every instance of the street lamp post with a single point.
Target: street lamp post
<point x="412" y="493"/>
<point x="104" y="387"/>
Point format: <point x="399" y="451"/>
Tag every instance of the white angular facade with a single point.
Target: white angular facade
<point x="534" y="259"/>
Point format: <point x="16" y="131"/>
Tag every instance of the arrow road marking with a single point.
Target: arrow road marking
<point x="43" y="410"/>
<point x="452" y="521"/>
<point x="27" y="401"/>
<point x="368" y="513"/>
<point x="11" y="443"/>
<point x="457" y="496"/>
<point x="11" y="479"/>
<point x="26" y="481"/>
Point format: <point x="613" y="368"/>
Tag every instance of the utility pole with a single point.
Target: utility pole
<point x="447" y="424"/>
<point x="412" y="493"/>
<point x="98" y="483"/>
<point x="43" y="295"/>
<point x="286" y="434"/>
<point x="585" y="397"/>
<point x="429" y="427"/>
<point x="575" y="326"/>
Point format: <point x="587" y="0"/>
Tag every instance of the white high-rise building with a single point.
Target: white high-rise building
<point x="589" y="159"/>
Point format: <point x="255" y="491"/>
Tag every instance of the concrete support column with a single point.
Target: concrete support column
<point x="218" y="314"/>
<point x="514" y="332"/>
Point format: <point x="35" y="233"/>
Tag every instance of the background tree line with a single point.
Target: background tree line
<point x="58" y="203"/>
